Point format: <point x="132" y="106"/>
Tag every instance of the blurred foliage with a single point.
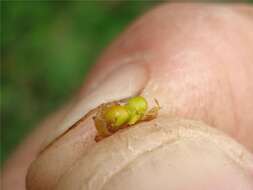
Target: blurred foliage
<point x="47" y="49"/>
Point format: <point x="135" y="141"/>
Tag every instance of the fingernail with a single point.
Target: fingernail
<point x="124" y="81"/>
<point x="163" y="154"/>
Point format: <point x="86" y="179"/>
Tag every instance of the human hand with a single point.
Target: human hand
<point x="196" y="60"/>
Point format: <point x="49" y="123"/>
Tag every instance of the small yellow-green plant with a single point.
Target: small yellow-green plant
<point x="114" y="116"/>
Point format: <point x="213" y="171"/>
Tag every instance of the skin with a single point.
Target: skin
<point x="196" y="60"/>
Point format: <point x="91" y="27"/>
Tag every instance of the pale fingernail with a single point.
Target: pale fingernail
<point x="163" y="154"/>
<point x="124" y="81"/>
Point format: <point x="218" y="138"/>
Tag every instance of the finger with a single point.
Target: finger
<point x="163" y="154"/>
<point x="181" y="73"/>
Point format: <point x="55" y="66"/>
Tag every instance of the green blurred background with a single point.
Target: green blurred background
<point x="47" y="49"/>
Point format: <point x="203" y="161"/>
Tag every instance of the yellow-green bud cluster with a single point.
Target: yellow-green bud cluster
<point x="128" y="114"/>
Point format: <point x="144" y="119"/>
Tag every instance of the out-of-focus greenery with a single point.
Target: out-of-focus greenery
<point x="47" y="48"/>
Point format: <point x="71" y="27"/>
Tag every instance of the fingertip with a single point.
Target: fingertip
<point x="163" y="154"/>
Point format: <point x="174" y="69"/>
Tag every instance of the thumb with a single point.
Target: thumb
<point x="163" y="154"/>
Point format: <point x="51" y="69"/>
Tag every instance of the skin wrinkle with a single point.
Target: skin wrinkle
<point x="76" y="124"/>
<point x="138" y="160"/>
<point x="233" y="93"/>
<point x="229" y="159"/>
<point x="216" y="48"/>
<point x="172" y="141"/>
<point x="226" y="72"/>
<point x="235" y="116"/>
<point x="233" y="99"/>
<point x="226" y="85"/>
<point x="69" y="169"/>
<point x="134" y="159"/>
<point x="84" y="149"/>
<point x="233" y="162"/>
<point x="74" y="165"/>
